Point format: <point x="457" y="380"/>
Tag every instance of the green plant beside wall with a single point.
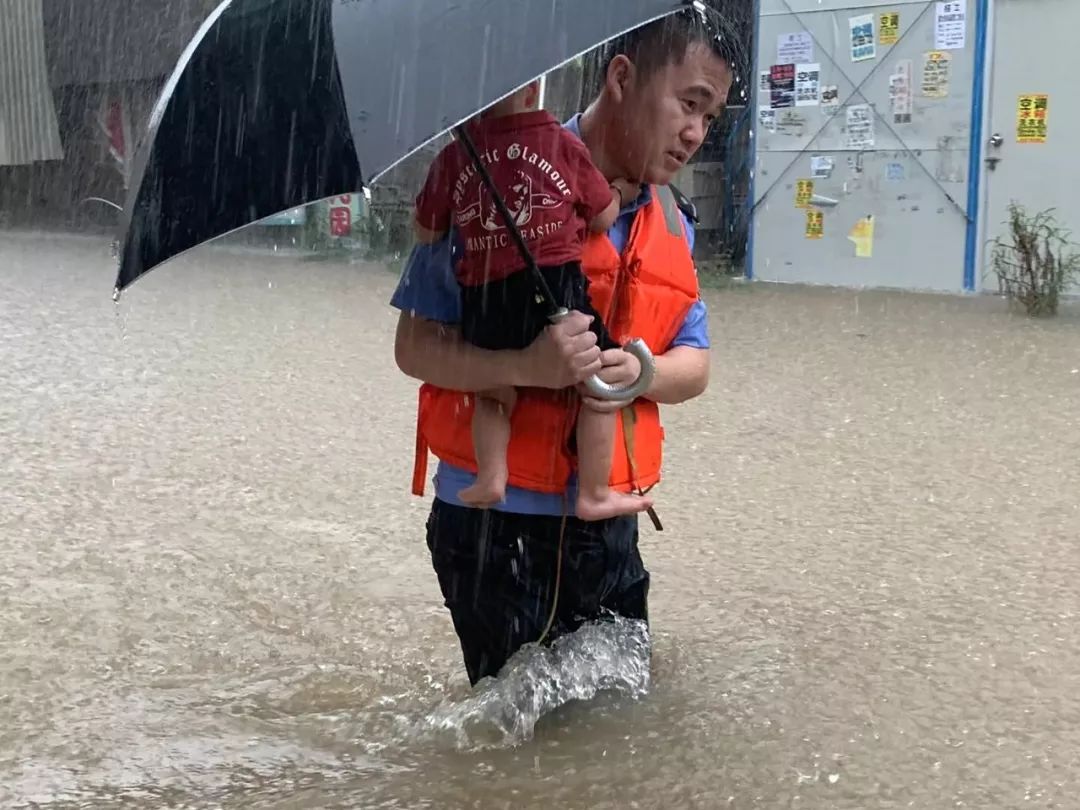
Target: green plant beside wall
<point x="1035" y="262"/>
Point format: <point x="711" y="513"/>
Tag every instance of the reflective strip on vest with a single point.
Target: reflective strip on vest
<point x="670" y="208"/>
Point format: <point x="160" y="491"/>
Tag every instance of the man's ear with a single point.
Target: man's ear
<point x="621" y="73"/>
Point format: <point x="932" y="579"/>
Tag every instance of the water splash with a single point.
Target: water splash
<point x="503" y="712"/>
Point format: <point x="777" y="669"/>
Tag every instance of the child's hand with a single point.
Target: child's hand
<point x="626" y="189"/>
<point x="620" y="368"/>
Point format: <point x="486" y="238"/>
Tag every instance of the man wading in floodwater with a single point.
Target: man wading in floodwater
<point x="662" y="87"/>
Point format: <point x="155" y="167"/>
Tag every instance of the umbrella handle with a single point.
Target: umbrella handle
<point x="602" y="390"/>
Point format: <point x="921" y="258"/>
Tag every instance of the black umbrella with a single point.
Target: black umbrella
<point x="279" y="103"/>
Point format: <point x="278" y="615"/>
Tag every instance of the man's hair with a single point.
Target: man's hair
<point x="667" y="40"/>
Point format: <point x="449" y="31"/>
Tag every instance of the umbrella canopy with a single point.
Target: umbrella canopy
<point x="278" y="103"/>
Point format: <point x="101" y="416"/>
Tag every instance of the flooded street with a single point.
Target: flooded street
<point x="215" y="590"/>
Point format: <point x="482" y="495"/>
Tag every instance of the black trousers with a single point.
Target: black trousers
<point x="497" y="575"/>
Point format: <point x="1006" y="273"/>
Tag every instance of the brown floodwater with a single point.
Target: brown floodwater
<point x="214" y="589"/>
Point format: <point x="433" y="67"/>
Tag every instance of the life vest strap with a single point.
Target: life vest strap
<point x="420" y="459"/>
<point x="629" y="420"/>
<point x="670" y="206"/>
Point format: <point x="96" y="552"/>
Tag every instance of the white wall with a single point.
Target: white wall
<point x="913" y="180"/>
<point x="1034" y="50"/>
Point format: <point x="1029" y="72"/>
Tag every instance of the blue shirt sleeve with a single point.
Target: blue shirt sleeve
<point x="427" y="288"/>
<point x="695" y="329"/>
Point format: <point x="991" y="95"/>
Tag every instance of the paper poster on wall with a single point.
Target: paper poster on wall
<point x="767" y="117"/>
<point x="935" y="76"/>
<point x="830" y="99"/>
<point x="804" y="191"/>
<point x="794" y="48"/>
<point x="782" y="82"/>
<point x="790" y="123"/>
<point x="815" y="224"/>
<point x="895" y="172"/>
<point x="862" y="234"/>
<point x="342" y="215"/>
<point x="821" y="167"/>
<point x="950" y="25"/>
<point x="1031" y="113"/>
<point x="860" y="127"/>
<point x="862" y="38"/>
<point x="763" y="83"/>
<point x="889" y="28"/>
<point x="900" y="92"/>
<point x="807" y="85"/>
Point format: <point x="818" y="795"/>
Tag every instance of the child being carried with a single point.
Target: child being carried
<point x="556" y="197"/>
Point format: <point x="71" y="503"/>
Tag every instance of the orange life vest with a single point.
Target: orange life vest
<point x="647" y="293"/>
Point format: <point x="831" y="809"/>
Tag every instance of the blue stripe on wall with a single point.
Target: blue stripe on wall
<point x="754" y="122"/>
<point x="978" y="91"/>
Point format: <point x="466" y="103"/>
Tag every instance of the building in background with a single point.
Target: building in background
<point x="106" y="62"/>
<point x="97" y="67"/>
<point x="891" y="136"/>
<point x="28" y="128"/>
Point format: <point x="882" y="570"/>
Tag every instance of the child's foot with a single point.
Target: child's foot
<point x="611" y="504"/>
<point x="484" y="493"/>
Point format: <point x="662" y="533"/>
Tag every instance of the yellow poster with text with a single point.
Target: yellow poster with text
<point x="937" y="66"/>
<point x="863" y="237"/>
<point x="889" y="28"/>
<point x="815" y="224"/>
<point x="804" y="191"/>
<point x="1031" y="118"/>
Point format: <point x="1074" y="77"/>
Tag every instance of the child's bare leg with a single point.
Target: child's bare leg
<point x="491" y="436"/>
<point x="596" y="443"/>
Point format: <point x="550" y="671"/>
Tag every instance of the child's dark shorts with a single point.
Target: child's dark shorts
<point x="504" y="314"/>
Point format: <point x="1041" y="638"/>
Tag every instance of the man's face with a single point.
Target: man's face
<point x="666" y="115"/>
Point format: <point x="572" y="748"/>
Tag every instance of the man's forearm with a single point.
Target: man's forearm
<point x="682" y="373"/>
<point x="435" y="353"/>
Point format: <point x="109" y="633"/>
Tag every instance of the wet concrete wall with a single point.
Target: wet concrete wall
<point x="864" y="123"/>
<point x="1030" y="152"/>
